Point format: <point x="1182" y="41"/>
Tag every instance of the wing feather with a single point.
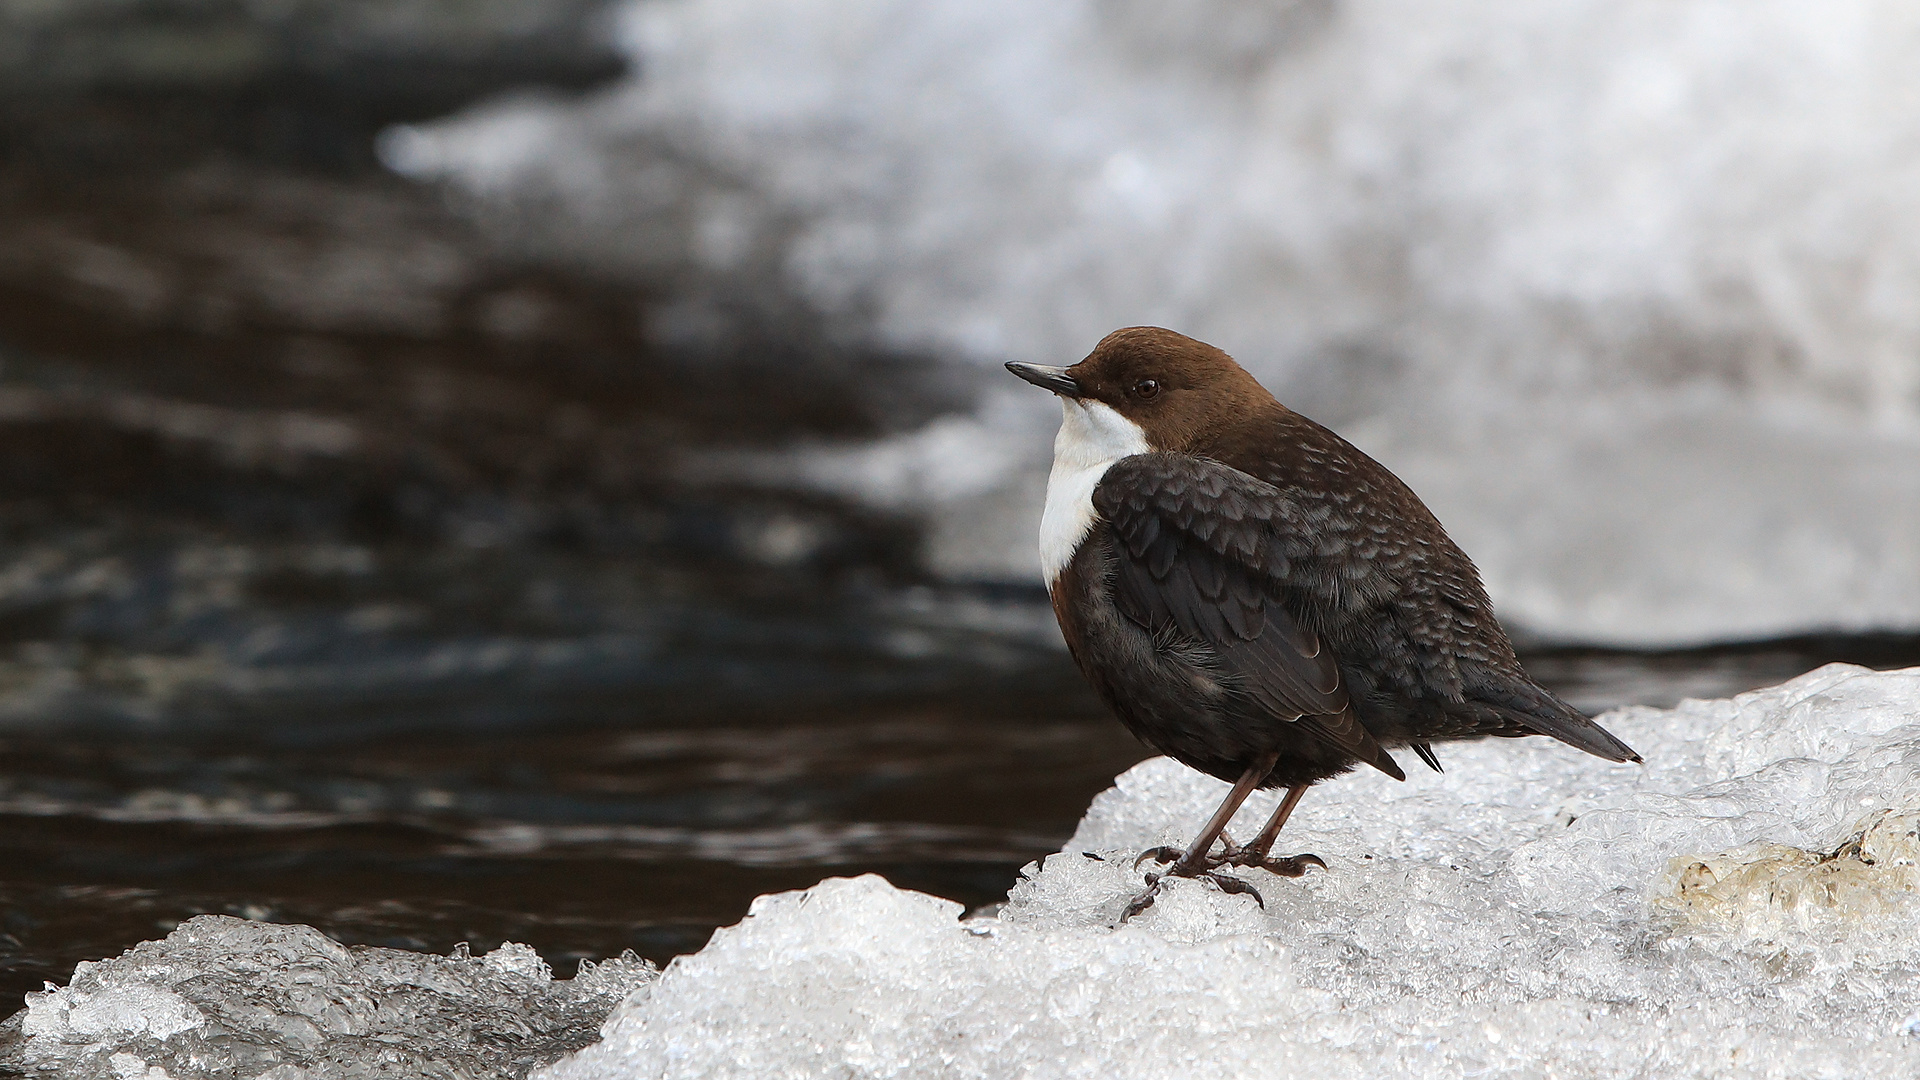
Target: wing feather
<point x="1205" y="553"/>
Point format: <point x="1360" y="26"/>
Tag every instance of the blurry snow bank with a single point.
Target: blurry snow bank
<point x="1550" y="250"/>
<point x="1531" y="912"/>
<point x="227" y="998"/>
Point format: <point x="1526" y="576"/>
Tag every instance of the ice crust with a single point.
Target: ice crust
<point x="228" y="999"/>
<point x="1741" y="906"/>
<point x="1627" y="290"/>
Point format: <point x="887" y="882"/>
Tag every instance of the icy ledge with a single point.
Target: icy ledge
<point x="1531" y="912"/>
<point x="1742" y="906"/>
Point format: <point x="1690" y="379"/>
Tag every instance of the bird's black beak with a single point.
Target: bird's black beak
<point x="1055" y="379"/>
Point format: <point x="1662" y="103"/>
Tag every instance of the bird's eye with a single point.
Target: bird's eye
<point x="1145" y="388"/>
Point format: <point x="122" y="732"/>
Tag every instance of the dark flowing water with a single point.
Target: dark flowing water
<point x="347" y="576"/>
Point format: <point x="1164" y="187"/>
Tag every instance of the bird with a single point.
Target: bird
<point x="1256" y="598"/>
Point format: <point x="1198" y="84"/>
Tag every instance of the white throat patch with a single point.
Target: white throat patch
<point x="1092" y="437"/>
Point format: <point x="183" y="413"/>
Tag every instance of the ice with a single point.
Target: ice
<point x="1741" y="906"/>
<point x="231" y="999"/>
<point x="1628" y="290"/>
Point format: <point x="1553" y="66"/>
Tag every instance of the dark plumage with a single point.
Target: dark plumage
<point x="1255" y="597"/>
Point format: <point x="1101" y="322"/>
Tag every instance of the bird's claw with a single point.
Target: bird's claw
<point x="1145" y="900"/>
<point x="1230" y="885"/>
<point x="1233" y="886"/>
<point x="1289" y="866"/>
<point x="1158" y="854"/>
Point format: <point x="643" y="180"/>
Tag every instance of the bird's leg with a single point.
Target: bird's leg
<point x="1255" y="854"/>
<point x="1195" y="861"/>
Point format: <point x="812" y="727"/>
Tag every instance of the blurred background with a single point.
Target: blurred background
<point x="481" y="469"/>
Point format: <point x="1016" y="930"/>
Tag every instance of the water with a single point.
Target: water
<point x="584" y="841"/>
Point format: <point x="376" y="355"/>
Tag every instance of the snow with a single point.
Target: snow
<point x="1530" y="912"/>
<point x="1629" y="290"/>
<point x="1743" y="905"/>
<point x="223" y="998"/>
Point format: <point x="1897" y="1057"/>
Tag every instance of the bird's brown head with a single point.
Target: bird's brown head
<point x="1180" y="393"/>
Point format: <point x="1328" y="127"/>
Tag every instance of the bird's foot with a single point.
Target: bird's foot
<point x="1231" y="854"/>
<point x="1285" y="866"/>
<point x="1175" y="855"/>
<point x="1232" y="886"/>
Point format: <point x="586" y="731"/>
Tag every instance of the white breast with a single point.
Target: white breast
<point x="1092" y="437"/>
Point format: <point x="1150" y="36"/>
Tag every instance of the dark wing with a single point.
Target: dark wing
<point x="1201" y="552"/>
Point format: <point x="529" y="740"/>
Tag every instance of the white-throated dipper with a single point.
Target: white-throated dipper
<point x="1257" y="599"/>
